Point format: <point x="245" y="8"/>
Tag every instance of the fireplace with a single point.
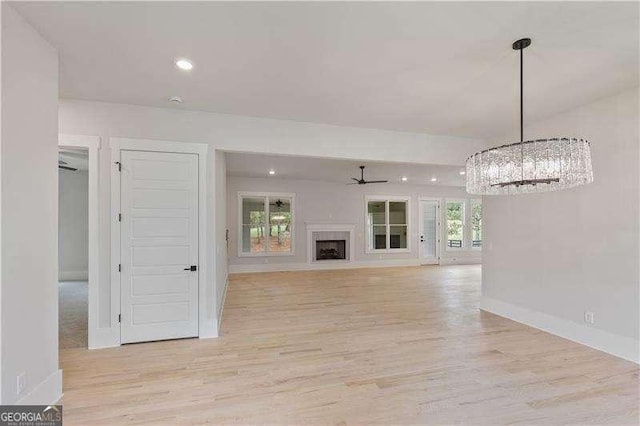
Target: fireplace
<point x="331" y="250"/>
<point x="330" y="243"/>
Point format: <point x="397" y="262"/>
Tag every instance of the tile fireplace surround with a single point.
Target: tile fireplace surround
<point x="330" y="231"/>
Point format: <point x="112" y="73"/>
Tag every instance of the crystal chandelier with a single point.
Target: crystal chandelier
<point x="529" y="166"/>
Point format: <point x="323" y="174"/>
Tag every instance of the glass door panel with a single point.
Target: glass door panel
<point x="429" y="231"/>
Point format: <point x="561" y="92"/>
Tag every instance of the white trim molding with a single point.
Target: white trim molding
<point x="292" y="226"/>
<point x="207" y="327"/>
<point x="315" y="266"/>
<point x="92" y="144"/>
<point x="620" y="346"/>
<point x="387" y="199"/>
<point x="47" y="392"/>
<point x="224" y="299"/>
<point x="330" y="227"/>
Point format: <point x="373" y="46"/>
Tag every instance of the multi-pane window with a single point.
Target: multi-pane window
<point x="267" y="224"/>
<point x="455" y="220"/>
<point x="476" y="224"/>
<point x="387" y="224"/>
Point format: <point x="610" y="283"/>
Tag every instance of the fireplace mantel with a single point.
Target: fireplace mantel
<point x="330" y="226"/>
<point x="318" y="227"/>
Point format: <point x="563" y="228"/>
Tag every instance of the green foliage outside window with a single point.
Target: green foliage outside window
<point x="476" y="221"/>
<point x="455" y="221"/>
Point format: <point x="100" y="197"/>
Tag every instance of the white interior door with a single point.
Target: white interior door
<point x="159" y="245"/>
<point x="429" y="235"/>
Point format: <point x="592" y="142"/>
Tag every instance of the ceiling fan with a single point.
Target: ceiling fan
<point x="362" y="181"/>
<point x="63" y="165"/>
<point x="278" y="203"/>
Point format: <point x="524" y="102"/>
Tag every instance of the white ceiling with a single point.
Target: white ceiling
<point x="339" y="171"/>
<point x="440" y="68"/>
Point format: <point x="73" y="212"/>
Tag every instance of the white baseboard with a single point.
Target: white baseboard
<point x="101" y="338"/>
<point x="620" y="346"/>
<point x="286" y="267"/>
<point x="73" y="276"/>
<point x="460" y="260"/>
<point x="224" y="298"/>
<point x="47" y="392"/>
<point x="208" y="329"/>
<point x="212" y="329"/>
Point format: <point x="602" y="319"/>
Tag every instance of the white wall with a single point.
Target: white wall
<point x="243" y="134"/>
<point x="317" y="201"/>
<point x="73" y="225"/>
<point x="550" y="257"/>
<point x="220" y="220"/>
<point x="250" y="134"/>
<point x="29" y="214"/>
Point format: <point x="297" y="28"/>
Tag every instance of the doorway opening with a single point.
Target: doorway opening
<point x="73" y="247"/>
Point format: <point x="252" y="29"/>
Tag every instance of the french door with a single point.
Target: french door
<point x="429" y="232"/>
<point x="159" y="245"/>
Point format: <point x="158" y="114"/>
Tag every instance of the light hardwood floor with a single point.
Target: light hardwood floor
<point x="386" y="346"/>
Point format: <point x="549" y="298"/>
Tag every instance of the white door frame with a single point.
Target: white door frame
<point x="207" y="327"/>
<point x="92" y="144"/>
<point x="421" y="230"/>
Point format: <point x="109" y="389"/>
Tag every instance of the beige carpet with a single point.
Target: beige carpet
<point x="72" y="314"/>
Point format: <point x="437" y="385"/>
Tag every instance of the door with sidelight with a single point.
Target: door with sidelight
<point x="429" y="232"/>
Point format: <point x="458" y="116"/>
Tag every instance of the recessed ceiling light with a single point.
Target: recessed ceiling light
<point x="272" y="172"/>
<point x="175" y="100"/>
<point x="462" y="172"/>
<point x="433" y="179"/>
<point x="403" y="178"/>
<point x="184" y="64"/>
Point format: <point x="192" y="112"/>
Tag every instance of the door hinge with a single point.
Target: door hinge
<point x="119" y="217"/>
<point x="119" y="164"/>
<point x="119" y="267"/>
<point x="119" y="317"/>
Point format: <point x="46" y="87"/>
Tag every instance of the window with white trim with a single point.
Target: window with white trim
<point x="266" y="224"/>
<point x="455" y="223"/>
<point x="476" y="224"/>
<point x="387" y="224"/>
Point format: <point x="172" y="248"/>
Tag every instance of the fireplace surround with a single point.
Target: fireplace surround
<point x="329" y="243"/>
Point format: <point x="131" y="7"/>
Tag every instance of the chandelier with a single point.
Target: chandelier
<point x="529" y="166"/>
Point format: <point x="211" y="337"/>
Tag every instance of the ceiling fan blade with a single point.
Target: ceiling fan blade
<point x="377" y="181"/>
<point x="357" y="180"/>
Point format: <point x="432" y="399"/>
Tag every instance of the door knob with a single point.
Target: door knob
<point x="191" y="268"/>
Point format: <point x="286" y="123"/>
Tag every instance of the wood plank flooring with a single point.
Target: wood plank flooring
<point x="385" y="346"/>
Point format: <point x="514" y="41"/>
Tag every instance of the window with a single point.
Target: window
<point x="387" y="224"/>
<point x="455" y="224"/>
<point x="476" y="224"/>
<point x="266" y="224"/>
